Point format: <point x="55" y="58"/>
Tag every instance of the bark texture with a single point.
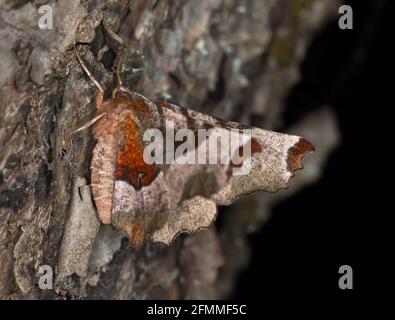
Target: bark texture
<point x="234" y="59"/>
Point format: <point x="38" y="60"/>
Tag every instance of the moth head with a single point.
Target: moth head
<point x="121" y="92"/>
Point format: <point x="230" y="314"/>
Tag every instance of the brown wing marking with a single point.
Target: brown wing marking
<point x="297" y="153"/>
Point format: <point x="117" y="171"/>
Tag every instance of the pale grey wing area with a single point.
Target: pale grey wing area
<point x="272" y="163"/>
<point x="163" y="205"/>
<point x="270" y="169"/>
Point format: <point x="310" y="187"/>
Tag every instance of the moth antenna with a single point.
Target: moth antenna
<point x="90" y="123"/>
<point x="90" y="75"/>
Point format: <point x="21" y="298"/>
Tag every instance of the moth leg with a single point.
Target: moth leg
<point x="90" y="123"/>
<point x="100" y="92"/>
<point x="90" y="75"/>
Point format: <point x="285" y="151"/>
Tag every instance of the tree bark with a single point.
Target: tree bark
<point x="235" y="59"/>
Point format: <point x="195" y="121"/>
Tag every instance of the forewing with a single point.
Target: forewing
<point x="274" y="159"/>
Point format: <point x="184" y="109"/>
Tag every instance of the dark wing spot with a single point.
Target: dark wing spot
<point x="255" y="148"/>
<point x="297" y="153"/>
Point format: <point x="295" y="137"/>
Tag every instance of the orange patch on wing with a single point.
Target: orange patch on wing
<point x="131" y="166"/>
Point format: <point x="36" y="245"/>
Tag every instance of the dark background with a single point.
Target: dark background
<point x="345" y="218"/>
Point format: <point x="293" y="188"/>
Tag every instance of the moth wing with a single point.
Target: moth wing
<point x="274" y="159"/>
<point x="161" y="201"/>
<point x="147" y="195"/>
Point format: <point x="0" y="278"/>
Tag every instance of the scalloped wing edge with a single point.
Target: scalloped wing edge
<point x="199" y="213"/>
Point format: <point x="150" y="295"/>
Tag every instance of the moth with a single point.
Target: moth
<point x="158" y="201"/>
